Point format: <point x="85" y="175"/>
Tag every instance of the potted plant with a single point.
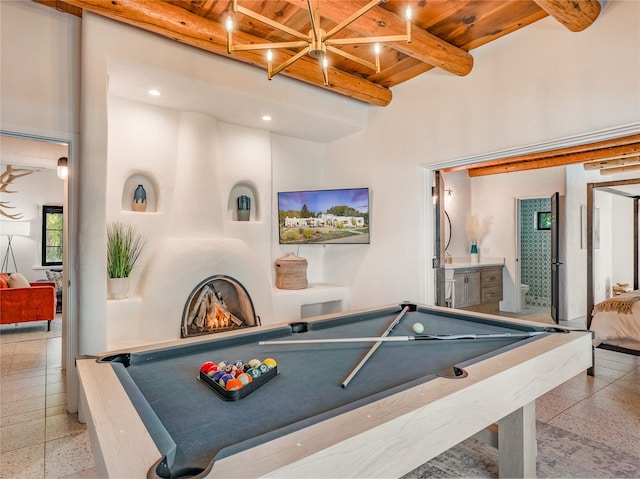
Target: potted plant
<point x="124" y="246"/>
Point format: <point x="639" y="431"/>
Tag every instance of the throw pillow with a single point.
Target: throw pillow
<point x="16" y="280"/>
<point x="56" y="277"/>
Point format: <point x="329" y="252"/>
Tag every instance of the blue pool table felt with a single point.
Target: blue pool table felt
<point x="192" y="426"/>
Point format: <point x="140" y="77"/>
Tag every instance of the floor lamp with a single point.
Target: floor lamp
<point x="11" y="229"/>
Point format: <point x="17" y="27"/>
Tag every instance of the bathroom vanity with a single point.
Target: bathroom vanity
<point x="474" y="286"/>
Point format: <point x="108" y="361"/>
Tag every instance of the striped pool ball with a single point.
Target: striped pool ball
<point x="217" y="375"/>
<point x="263" y="368"/>
<point x="233" y="385"/>
<point x="239" y="364"/>
<point x="270" y="362"/>
<point x="245" y="378"/>
<point x="205" y="366"/>
<point x="254" y="373"/>
<point x="254" y="363"/>
<point x="224" y="379"/>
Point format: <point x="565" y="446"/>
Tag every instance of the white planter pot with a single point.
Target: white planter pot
<point x="118" y="287"/>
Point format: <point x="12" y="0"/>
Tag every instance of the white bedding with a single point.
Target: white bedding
<point x="618" y="329"/>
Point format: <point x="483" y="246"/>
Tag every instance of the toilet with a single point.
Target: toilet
<point x="524" y="289"/>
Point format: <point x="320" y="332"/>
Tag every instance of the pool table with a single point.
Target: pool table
<point x="150" y="415"/>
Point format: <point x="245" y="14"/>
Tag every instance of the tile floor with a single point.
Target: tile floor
<point x="39" y="439"/>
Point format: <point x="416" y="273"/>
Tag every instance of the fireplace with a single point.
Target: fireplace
<point x="219" y="303"/>
<point x="176" y="265"/>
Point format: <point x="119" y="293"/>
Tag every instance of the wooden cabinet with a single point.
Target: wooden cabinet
<point x="478" y="288"/>
<point x="467" y="288"/>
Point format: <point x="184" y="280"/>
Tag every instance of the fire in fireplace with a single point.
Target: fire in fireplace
<point x="219" y="303"/>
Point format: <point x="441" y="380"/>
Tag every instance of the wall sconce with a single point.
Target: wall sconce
<point x="63" y="168"/>
<point x="434" y="194"/>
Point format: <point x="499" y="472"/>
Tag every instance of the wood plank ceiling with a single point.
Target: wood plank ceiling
<point x="443" y="32"/>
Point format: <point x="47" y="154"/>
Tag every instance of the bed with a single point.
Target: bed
<point x="616" y="323"/>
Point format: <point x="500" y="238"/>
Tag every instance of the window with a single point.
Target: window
<point x="51" y="235"/>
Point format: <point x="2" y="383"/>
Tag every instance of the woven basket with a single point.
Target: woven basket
<point x="291" y="272"/>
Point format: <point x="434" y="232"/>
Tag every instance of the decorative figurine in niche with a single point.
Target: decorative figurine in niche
<point x="244" y="208"/>
<point x="139" y="199"/>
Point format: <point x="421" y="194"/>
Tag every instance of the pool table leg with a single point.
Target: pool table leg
<point x="517" y="443"/>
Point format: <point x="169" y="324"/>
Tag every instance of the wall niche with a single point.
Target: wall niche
<point x="235" y="204"/>
<point x="129" y="189"/>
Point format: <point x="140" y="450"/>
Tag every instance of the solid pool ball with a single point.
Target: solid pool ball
<point x="418" y="328"/>
<point x="270" y="362"/>
<point x="205" y="366"/>
<point x="244" y="378"/>
<point x="254" y="373"/>
<point x="263" y="368"/>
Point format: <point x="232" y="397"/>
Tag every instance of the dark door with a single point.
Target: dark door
<point x="555" y="256"/>
<point x="438" y="259"/>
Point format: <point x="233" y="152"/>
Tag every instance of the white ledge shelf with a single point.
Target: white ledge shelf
<point x="315" y="300"/>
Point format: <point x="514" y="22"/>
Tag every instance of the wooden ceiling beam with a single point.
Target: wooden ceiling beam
<point x="576" y="15"/>
<point x="612" y="162"/>
<point x="621" y="169"/>
<point x="424" y="46"/>
<point x="556" y="160"/>
<point x="178" y="24"/>
<point x="623" y="147"/>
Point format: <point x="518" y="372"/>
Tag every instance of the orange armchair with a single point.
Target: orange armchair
<point x="36" y="303"/>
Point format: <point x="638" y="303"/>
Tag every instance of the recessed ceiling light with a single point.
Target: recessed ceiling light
<point x="154" y="92"/>
<point x="266" y="117"/>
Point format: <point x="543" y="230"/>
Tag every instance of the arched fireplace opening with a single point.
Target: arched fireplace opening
<point x="219" y="303"/>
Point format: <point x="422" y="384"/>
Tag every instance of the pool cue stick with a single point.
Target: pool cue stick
<point x="345" y="383"/>
<point x="418" y="337"/>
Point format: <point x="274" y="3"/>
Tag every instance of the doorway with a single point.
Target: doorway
<point x="34" y="187"/>
<point x="534" y="255"/>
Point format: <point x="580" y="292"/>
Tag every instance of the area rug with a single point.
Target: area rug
<point x="561" y="454"/>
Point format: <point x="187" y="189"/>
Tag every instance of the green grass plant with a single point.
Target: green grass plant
<point x="124" y="246"/>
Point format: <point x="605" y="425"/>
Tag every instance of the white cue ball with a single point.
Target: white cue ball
<point x="418" y="328"/>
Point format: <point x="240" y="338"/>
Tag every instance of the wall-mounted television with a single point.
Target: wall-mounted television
<point x="324" y="216"/>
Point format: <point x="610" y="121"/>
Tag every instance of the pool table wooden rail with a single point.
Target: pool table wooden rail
<point x="387" y="438"/>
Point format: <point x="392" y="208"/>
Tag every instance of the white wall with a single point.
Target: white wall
<point x="538" y="84"/>
<point x="622" y="231"/>
<point x="32" y="192"/>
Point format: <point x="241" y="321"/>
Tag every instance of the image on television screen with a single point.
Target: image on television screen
<point x="324" y="216"/>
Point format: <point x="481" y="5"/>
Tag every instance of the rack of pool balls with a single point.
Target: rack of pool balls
<point x="234" y="380"/>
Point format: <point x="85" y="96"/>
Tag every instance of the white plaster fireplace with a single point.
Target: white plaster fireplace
<point x="154" y="312"/>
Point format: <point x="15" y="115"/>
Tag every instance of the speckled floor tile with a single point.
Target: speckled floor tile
<point x="24" y="463"/>
<point x="612" y="435"/>
<point x="22" y="393"/>
<point x="17" y="436"/>
<point x="63" y="425"/>
<point x="550" y="405"/>
<point x="86" y="474"/>
<point x="19" y="407"/>
<point x="56" y="410"/>
<point x="56" y="399"/>
<point x="68" y="455"/>
<point x="20" y="418"/>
